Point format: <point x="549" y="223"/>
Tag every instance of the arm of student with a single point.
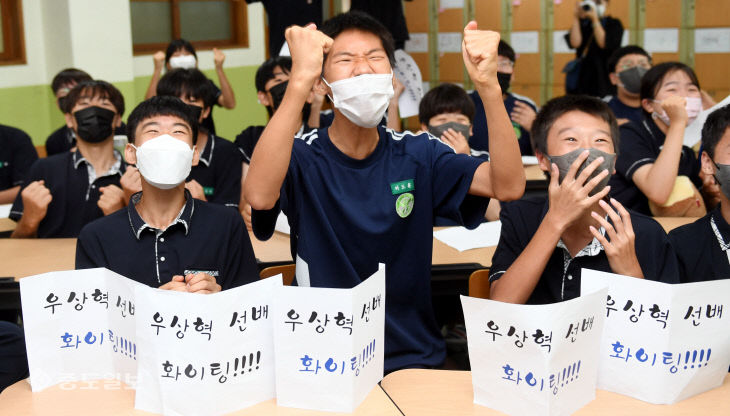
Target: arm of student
<point x="502" y="178"/>
<point x="227" y="98"/>
<point x="656" y="180"/>
<point x="620" y="250"/>
<point x="575" y="38"/>
<point x="599" y="33"/>
<point x="315" y="108"/>
<point x="159" y="61"/>
<point x="36" y="198"/>
<point x="270" y="160"/>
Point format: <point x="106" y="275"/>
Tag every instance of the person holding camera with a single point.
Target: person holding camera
<point x="595" y="36"/>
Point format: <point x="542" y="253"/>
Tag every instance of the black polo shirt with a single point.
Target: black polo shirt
<point x="247" y="139"/>
<point x="63" y="139"/>
<point x="640" y="145"/>
<point x="219" y="172"/>
<point x="621" y="110"/>
<point x="75" y="199"/>
<point x="480" y="140"/>
<point x="204" y="238"/>
<point x="17" y="154"/>
<point x="699" y="251"/>
<point x="284" y="13"/>
<point x="561" y="278"/>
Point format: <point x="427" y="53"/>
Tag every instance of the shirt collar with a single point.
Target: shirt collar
<point x="78" y="159"/>
<point x="720" y="228"/>
<point x="207" y="155"/>
<point x="138" y="225"/>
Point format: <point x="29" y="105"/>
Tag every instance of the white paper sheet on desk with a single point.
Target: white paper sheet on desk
<point x="329" y="344"/>
<point x="529" y="160"/>
<point x="5" y="210"/>
<point x="534" y="359"/>
<point x="282" y="224"/>
<point x="205" y="354"/>
<point x="485" y="235"/>
<point x="654" y="347"/>
<point x="79" y="325"/>
<point x="693" y="131"/>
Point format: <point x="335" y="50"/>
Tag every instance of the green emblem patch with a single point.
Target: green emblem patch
<point x="518" y="130"/>
<point x="404" y="204"/>
<point x="208" y="190"/>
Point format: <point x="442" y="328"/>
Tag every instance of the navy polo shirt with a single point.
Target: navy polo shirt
<point x="558" y="282"/>
<point x="17" y="154"/>
<point x="13" y="359"/>
<point x="621" y="110"/>
<point x="348" y="215"/>
<point x="204" y="238"/>
<point x="63" y="139"/>
<point x="640" y="144"/>
<point x="480" y="140"/>
<point x="75" y="199"/>
<point x="219" y="172"/>
<point x="700" y="248"/>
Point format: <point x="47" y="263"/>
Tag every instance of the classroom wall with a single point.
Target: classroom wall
<point x="96" y="36"/>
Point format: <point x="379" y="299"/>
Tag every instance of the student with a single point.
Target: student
<point x="217" y="176"/>
<point x="357" y="194"/>
<point x="522" y="110"/>
<point x="17" y="155"/>
<point x="165" y="238"/>
<point x="657" y="174"/>
<point x="545" y="242"/>
<point x="626" y="67"/>
<point x="13" y="359"/>
<point x="703" y="247"/>
<point x="181" y="54"/>
<point x="64" y="192"/>
<point x="63" y="140"/>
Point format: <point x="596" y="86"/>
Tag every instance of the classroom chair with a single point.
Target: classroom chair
<point x="286" y="271"/>
<point x="479" y="284"/>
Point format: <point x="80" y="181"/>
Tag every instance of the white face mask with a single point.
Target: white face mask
<point x="363" y="99"/>
<point x="164" y="161"/>
<point x="183" y="61"/>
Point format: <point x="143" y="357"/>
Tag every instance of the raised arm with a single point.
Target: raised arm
<point x="270" y="159"/>
<point x="159" y="60"/>
<point x="227" y="98"/>
<point x="503" y="177"/>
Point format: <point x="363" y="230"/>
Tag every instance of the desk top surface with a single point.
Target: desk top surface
<point x="440" y="392"/>
<point x="115" y="398"/>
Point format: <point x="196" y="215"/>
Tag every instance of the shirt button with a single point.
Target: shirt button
<point x="162" y="258"/>
<point x="162" y="239"/>
<point x="570" y="276"/>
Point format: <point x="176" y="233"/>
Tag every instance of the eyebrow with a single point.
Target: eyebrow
<point x="352" y="54"/>
<point x="561" y="131"/>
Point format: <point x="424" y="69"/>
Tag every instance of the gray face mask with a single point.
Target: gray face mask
<point x="564" y="162"/>
<point x="631" y="78"/>
<point x="722" y="176"/>
<point x="439" y="130"/>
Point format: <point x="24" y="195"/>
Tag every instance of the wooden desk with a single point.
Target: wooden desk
<point x="534" y="173"/>
<point x="117" y="399"/>
<point x="6" y="224"/>
<point x="442" y="392"/>
<point x="274" y="250"/>
<point x="445" y="255"/>
<point x="27" y="257"/>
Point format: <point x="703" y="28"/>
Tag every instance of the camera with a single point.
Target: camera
<point x="587" y="5"/>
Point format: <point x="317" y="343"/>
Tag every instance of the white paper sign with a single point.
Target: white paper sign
<point x="460" y="238"/>
<point x="693" y="131"/>
<point x="451" y="4"/>
<point x="661" y="40"/>
<point x="662" y="343"/>
<point x="525" y="42"/>
<point x="712" y="40"/>
<point x="449" y="42"/>
<point x="79" y="325"/>
<point x="5" y="210"/>
<point x="534" y="359"/>
<point x="205" y="354"/>
<point x="329" y="344"/>
<point x="559" y="43"/>
<point x="418" y="42"/>
<point x="408" y="73"/>
<point x="282" y="223"/>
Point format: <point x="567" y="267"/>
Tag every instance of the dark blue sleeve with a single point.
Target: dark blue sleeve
<point x="88" y="250"/>
<point x="13" y="358"/>
<point x="654" y="251"/>
<point x="451" y="177"/>
<point x="24" y="155"/>
<point x="241" y="267"/>
<point x="510" y="245"/>
<point x="635" y="149"/>
<point x="228" y="179"/>
<point x="36" y="173"/>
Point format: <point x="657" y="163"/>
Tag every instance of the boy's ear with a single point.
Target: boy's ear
<point x="70" y="121"/>
<point x="708" y="167"/>
<point x="117" y="122"/>
<point x="263" y="99"/>
<point x="613" y="77"/>
<point x="196" y="155"/>
<point x="646" y="105"/>
<point x="204" y="113"/>
<point x="130" y="154"/>
<point x="321" y="88"/>
<point x="542" y="161"/>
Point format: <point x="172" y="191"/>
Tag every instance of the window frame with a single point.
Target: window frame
<point x="11" y="13"/>
<point x="239" y="25"/>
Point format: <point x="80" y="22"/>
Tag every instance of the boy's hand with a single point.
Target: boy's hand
<point x="196" y="190"/>
<point x="201" y="283"/>
<point x="479" y="49"/>
<point x="218" y="57"/>
<point x="36" y="198"/>
<point x="308" y="47"/>
<point x="131" y="182"/>
<point x="569" y="200"/>
<point x="523" y="115"/>
<point x="674" y="106"/>
<point x="111" y="199"/>
<point x="456" y="140"/>
<point x="620" y="250"/>
<point x="246" y="214"/>
<point x="159" y="59"/>
<point x="177" y="283"/>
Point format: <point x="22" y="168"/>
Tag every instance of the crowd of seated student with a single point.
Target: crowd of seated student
<point x="609" y="167"/>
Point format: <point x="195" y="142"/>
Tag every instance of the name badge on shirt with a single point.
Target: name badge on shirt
<point x="4" y="164"/>
<point x="208" y="190"/>
<point x="404" y="203"/>
<point x="403" y="186"/>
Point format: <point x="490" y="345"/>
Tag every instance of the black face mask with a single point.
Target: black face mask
<point x="94" y="124"/>
<point x="195" y="111"/>
<point x="504" y="80"/>
<point x="277" y="94"/>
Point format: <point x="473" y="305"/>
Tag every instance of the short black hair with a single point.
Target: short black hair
<point x="504" y="49"/>
<point x="556" y="107"/>
<point x="623" y="51"/>
<point x="161" y="106"/>
<point x="189" y="83"/>
<point x="96" y="88"/>
<point x="446" y="98"/>
<point x="714" y="128"/>
<point x="68" y="76"/>
<point x="179" y="44"/>
<point x="266" y="70"/>
<point x="652" y="80"/>
<point x="357" y="20"/>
